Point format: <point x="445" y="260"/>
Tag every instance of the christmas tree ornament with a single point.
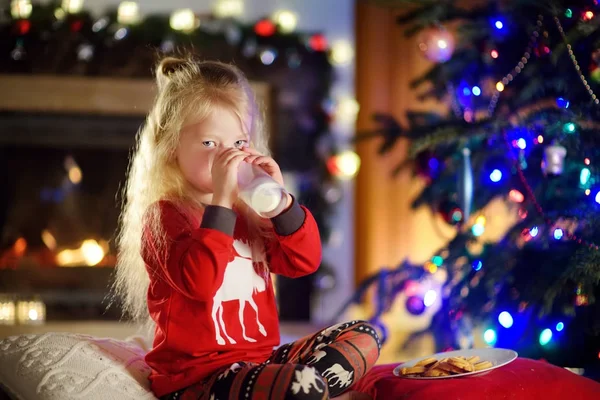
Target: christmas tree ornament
<point x="437" y="44"/>
<point x="451" y="212"/>
<point x="415" y="305"/>
<point x="554" y="159"/>
<point x="465" y="184"/>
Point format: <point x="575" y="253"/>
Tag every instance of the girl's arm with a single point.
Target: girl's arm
<point x="194" y="259"/>
<point x="296" y="249"/>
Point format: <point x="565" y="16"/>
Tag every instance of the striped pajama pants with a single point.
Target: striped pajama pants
<point x="318" y="366"/>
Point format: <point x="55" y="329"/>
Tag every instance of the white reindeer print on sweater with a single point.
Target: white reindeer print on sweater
<point x="239" y="284"/>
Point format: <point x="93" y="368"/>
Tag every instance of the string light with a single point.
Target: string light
<point x="72" y="6"/>
<point x="489" y="336"/>
<point x="229" y="8"/>
<point x="518" y="68"/>
<point x="562" y="103"/>
<point x="505" y="319"/>
<point x="286" y="20"/>
<point x="545" y="337"/>
<point x="20" y="9"/>
<point x="569" y="127"/>
<point x="584" y="176"/>
<point x="128" y="13"/>
<point x="516" y="196"/>
<point x="496" y="176"/>
<point x="341" y="53"/>
<point x="347" y="110"/>
<point x="588" y="15"/>
<point x="267" y="56"/>
<point x="575" y="63"/>
<point x="494" y="53"/>
<point x="265" y="27"/>
<point x="183" y="20"/>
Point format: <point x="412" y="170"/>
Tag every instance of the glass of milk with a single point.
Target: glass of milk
<point x="260" y="192"/>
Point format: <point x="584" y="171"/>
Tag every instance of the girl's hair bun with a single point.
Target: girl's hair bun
<point x="166" y="68"/>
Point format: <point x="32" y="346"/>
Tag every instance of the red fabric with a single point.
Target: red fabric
<point x="523" y="379"/>
<point x="196" y="333"/>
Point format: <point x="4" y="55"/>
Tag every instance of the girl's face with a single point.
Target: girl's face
<point x="199" y="143"/>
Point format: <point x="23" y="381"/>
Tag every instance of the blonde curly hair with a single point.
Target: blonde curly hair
<point x="187" y="88"/>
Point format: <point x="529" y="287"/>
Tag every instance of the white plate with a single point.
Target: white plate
<point x="498" y="358"/>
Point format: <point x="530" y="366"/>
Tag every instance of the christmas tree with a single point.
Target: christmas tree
<point x="521" y="80"/>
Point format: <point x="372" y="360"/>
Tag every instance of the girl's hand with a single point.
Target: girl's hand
<point x="224" y="176"/>
<point x="266" y="163"/>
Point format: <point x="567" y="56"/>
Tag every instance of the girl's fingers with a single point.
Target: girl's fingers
<point x="250" y="159"/>
<point x="263" y="161"/>
<point x="231" y="153"/>
<point x="235" y="159"/>
<point x="251" y="151"/>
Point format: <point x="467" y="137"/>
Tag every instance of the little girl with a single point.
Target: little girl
<point x="197" y="261"/>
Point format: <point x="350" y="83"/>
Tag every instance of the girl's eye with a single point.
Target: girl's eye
<point x="209" y="143"/>
<point x="240" y="144"/>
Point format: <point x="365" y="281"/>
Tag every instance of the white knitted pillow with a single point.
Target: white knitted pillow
<point x="69" y="366"/>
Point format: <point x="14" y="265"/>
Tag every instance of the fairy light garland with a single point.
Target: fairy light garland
<point x="501" y="85"/>
<point x="536" y="204"/>
<point x="575" y="63"/>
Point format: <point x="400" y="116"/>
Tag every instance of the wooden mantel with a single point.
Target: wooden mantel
<point x="85" y="95"/>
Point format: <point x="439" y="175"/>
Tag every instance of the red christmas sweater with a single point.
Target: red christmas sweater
<point x="211" y="305"/>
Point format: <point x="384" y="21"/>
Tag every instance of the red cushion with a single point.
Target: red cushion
<point x="523" y="379"/>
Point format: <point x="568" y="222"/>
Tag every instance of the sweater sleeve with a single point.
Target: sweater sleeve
<point x="194" y="259"/>
<point x="296" y="249"/>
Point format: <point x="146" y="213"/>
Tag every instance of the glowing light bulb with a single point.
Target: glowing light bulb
<point x="477" y="265"/>
<point x="540" y="139"/>
<point x="20" y="9"/>
<point x="496" y="175"/>
<point x="341" y="52"/>
<point x="128" y="13"/>
<point x="505" y="319"/>
<point x="499" y="24"/>
<point x="584" y="176"/>
<point x="534" y="231"/>
<point x="560" y="326"/>
<point x="500" y="86"/>
<point x="267" y="57"/>
<point x="494" y="53"/>
<point x="558" y="233"/>
<point x="72" y="6"/>
<point x="569" y="127"/>
<point x="286" y="20"/>
<point x="489" y="336"/>
<point x="183" y="20"/>
<point x="429" y="298"/>
<point x="229" y="8"/>
<point x="476" y="90"/>
<point x="545" y="337"/>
